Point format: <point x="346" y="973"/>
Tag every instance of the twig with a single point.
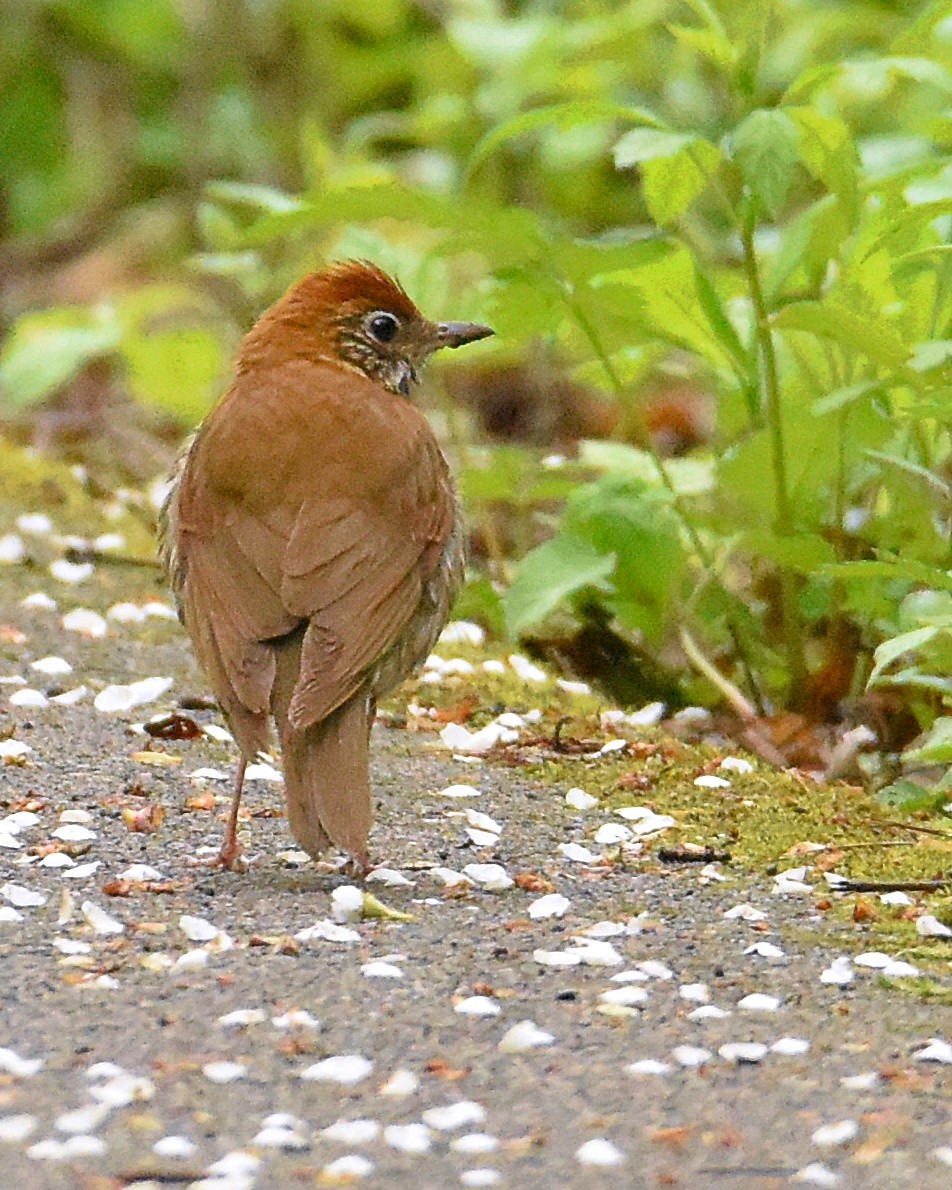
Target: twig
<point x="681" y="855"/>
<point x="878" y="886"/>
<point x="919" y="830"/>
<point x="108" y="557"/>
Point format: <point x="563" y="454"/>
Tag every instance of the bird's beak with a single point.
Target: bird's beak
<point x="456" y="334"/>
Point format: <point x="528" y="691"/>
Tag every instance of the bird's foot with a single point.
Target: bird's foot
<point x="230" y="857"/>
<point x="357" y="867"/>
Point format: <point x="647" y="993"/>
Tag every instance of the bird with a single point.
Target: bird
<point x="313" y="539"/>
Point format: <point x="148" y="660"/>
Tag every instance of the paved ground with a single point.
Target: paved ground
<point x="76" y="998"/>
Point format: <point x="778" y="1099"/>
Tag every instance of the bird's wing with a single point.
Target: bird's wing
<point x="336" y="524"/>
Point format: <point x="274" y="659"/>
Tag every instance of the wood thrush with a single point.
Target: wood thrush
<point x="313" y="539"/>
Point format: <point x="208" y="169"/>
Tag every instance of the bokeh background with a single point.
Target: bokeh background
<point x="705" y="459"/>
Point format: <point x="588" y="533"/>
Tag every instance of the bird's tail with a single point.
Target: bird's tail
<point x="326" y="768"/>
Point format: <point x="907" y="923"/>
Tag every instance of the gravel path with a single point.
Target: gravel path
<point x="144" y="1047"/>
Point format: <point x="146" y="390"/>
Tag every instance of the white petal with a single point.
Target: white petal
<point x="408" y="1138"/>
<point x="124" y="698"/>
<point x="175" y="1147"/>
<point x="345" y="1169"/>
<point x="790" y="1047"/>
<point x="759" y="1002"/>
<point x="346" y="1069"/>
<point x="552" y="905"/>
<point x="242" y="1017"/>
<point x="649" y="1066"/>
<point x="524" y="1036"/>
<point x="12" y="1063"/>
<point x="352" y="1132"/>
<point x="492" y="877"/>
<point x="86" y="622"/>
<point x="743" y="1051"/>
<point x="691" y="1056"/>
<point x="478" y="1006"/>
<point x="599" y="1152"/>
<point x="840" y="1133"/>
<point x="936" y="1051"/>
<point x="927" y="926"/>
<point x="224" y="1072"/>
<point x="20" y="897"/>
<point x="379" y="970"/>
<point x="454" y="1115"/>
<point x="400" y="1084"/>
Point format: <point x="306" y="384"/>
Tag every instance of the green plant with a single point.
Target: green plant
<point x="754" y="195"/>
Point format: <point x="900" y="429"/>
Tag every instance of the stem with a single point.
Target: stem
<point x="784" y="521"/>
<point x="731" y="695"/>
<point x="677" y="502"/>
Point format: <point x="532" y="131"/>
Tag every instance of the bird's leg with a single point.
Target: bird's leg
<point x="231" y="849"/>
<point x="230" y="856"/>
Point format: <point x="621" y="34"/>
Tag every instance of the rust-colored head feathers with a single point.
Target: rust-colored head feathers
<point x="353" y="313"/>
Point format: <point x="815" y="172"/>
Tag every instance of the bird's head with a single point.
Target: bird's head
<point x="356" y="313"/>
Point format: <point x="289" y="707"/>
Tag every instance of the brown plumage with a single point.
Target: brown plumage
<point x="313" y="539"/>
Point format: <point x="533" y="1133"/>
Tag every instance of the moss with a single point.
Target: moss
<point x="767" y="820"/>
<point x="30" y="482"/>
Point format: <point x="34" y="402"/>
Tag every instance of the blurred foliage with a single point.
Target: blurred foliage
<point x="756" y="196"/>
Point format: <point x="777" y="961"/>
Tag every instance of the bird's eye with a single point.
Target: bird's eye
<point x="383" y="327"/>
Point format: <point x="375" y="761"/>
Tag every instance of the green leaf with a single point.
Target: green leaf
<point x="690" y="476"/>
<point x="549" y="574"/>
<point x="712" y="44"/>
<point x="634" y="523"/>
<point x="671" y="184"/>
<point x="675" y="168"/>
<point x="766" y="146"/>
<point x="563" y="116"/>
<point x="804" y="552"/>
<point x="661" y="295"/>
<point x="909" y="798"/>
<point x="829" y="319"/>
<point x="936" y="748"/>
<point x="841" y="398"/>
<point x="890" y="650"/>
<point x="177" y="369"/>
<point x="907" y="570"/>
<point x="47" y="349"/>
<point x="827" y="150"/>
<point x="480" y="601"/>
<point x="265" y="199"/>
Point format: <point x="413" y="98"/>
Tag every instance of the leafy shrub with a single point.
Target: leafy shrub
<point x="757" y="196"/>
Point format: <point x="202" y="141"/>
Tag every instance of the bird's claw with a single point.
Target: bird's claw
<point x="357" y="867"/>
<point x="230" y="857"/>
